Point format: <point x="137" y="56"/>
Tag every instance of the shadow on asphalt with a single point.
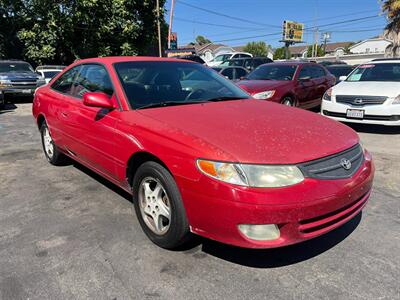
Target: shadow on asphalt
<point x="265" y="258"/>
<point x="375" y="129"/>
<point x="8" y="107"/>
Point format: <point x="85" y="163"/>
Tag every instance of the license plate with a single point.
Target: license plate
<point x="27" y="91"/>
<point x="355" y="113"/>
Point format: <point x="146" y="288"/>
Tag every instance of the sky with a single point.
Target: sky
<point x="261" y="20"/>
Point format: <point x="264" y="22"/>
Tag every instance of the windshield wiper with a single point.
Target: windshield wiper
<point x="225" y="98"/>
<point x="169" y="103"/>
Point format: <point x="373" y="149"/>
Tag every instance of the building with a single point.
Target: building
<point x="332" y="49"/>
<point x="372" y="45"/>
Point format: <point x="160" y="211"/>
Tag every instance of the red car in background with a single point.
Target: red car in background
<point x="300" y="84"/>
<point x="199" y="156"/>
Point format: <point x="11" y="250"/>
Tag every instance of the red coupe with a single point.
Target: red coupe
<point x="300" y="84"/>
<point x="199" y="156"/>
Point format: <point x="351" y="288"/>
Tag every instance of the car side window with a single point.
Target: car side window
<point x="64" y="83"/>
<point x="317" y="72"/>
<point x="228" y="73"/>
<point x="92" y="78"/>
<point x="240" y="73"/>
<point x="305" y="72"/>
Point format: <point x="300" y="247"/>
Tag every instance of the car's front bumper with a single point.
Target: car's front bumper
<point x="26" y="91"/>
<point x="302" y="211"/>
<point x="384" y="114"/>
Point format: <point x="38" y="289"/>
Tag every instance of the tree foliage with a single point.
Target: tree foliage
<point x="320" y="51"/>
<point x="257" y="48"/>
<point x="201" y="40"/>
<point x="392" y="30"/>
<point x="51" y="31"/>
<point x="280" y="53"/>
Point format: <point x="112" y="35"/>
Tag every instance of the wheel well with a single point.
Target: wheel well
<point x="289" y="95"/>
<point x="136" y="160"/>
<point x="40" y="121"/>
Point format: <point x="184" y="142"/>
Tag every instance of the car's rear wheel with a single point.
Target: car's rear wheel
<point x="159" y="206"/>
<point x="288" y="101"/>
<point x="53" y="155"/>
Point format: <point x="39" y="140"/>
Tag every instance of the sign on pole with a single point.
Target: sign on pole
<point x="292" y="32"/>
<point x="173" y="42"/>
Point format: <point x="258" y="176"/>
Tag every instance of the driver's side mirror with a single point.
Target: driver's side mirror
<point x="342" y="78"/>
<point x="305" y="78"/>
<point x="98" y="99"/>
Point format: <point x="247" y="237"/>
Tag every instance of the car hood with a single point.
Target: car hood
<point x="254" y="131"/>
<point x="19" y="75"/>
<point x="256" y="86"/>
<point x="370" y="88"/>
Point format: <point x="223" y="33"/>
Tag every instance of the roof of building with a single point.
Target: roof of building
<point x="330" y="47"/>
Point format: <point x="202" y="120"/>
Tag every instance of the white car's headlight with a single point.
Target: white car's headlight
<point x="328" y="95"/>
<point x="267" y="176"/>
<point x="264" y="95"/>
<point x="396" y="100"/>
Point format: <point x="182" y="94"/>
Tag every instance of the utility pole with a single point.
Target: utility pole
<point x="171" y="15"/>
<point x="325" y="37"/>
<point x="158" y="28"/>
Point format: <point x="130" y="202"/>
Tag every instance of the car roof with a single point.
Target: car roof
<point x="243" y="58"/>
<point x="295" y="63"/>
<point x="13" y="61"/>
<point x="385" y="60"/>
<point x="339" y="66"/>
<point x="115" y="59"/>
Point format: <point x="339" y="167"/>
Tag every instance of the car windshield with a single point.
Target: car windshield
<point x="50" y="74"/>
<point x="147" y="83"/>
<point x="15" y="67"/>
<point x="222" y="57"/>
<point x="273" y="72"/>
<point x="376" y="72"/>
<point x="340" y="71"/>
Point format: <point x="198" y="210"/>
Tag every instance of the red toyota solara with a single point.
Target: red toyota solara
<point x="199" y="156"/>
<point x="292" y="83"/>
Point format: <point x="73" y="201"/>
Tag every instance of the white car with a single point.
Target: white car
<point x="219" y="59"/>
<point x="48" y="72"/>
<point x="369" y="94"/>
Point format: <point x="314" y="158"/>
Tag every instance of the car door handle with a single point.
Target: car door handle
<point x="65" y="115"/>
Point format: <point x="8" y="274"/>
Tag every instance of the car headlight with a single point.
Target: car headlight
<point x="4" y="83"/>
<point x="396" y="100"/>
<point x="328" y="95"/>
<point x="267" y="176"/>
<point x="264" y="95"/>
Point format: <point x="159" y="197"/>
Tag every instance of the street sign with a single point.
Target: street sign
<point x="292" y="32"/>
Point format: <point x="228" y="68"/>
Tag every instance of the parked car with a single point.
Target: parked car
<point x="249" y="63"/>
<point x="49" y="71"/>
<point x="213" y="161"/>
<point x="192" y="57"/>
<point x="291" y="83"/>
<point x="232" y="73"/>
<point x="219" y="59"/>
<point x="340" y="70"/>
<point x="17" y="78"/>
<point x="370" y="94"/>
<point x="329" y="63"/>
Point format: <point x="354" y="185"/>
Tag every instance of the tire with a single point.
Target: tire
<point x="156" y="197"/>
<point x="53" y="155"/>
<point x="288" y="101"/>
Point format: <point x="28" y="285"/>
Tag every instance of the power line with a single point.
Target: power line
<point x="226" y="16"/>
<point x="212" y="24"/>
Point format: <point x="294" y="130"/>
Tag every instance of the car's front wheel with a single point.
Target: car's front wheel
<point x="288" y="101"/>
<point x="53" y="155"/>
<point x="159" y="206"/>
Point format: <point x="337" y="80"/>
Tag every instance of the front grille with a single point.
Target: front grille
<point x="337" y="166"/>
<point x="366" y="117"/>
<point x="358" y="100"/>
<point x="327" y="221"/>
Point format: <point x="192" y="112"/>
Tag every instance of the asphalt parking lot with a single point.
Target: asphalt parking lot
<point x="66" y="233"/>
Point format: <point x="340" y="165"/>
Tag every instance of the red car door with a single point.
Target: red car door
<point x="321" y="82"/>
<point x="90" y="130"/>
<point x="304" y="86"/>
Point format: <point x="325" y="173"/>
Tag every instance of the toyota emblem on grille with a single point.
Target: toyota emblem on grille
<point x="345" y="163"/>
<point x="358" y="101"/>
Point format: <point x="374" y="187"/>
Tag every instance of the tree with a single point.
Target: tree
<point x="43" y="31"/>
<point x="320" y="51"/>
<point x="280" y="53"/>
<point x="201" y="40"/>
<point x="392" y="30"/>
<point x="257" y="48"/>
